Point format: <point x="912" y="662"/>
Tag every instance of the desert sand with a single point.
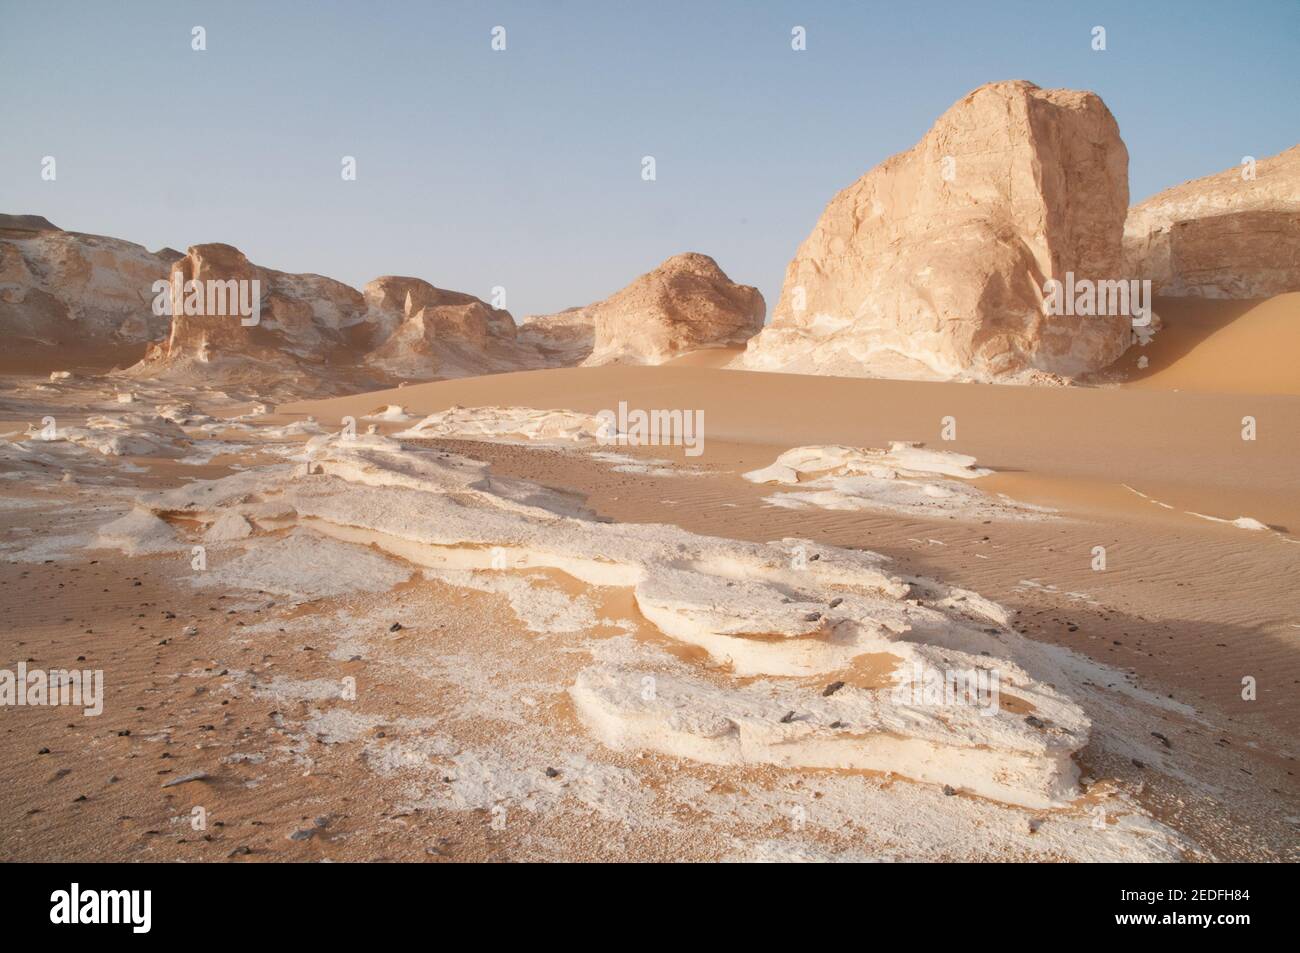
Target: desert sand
<point x="1245" y="346"/>
<point x="434" y="646"/>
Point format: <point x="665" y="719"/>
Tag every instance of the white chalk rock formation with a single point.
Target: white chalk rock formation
<point x="227" y="527"/>
<point x="241" y="320"/>
<point x="905" y="479"/>
<point x="901" y="457"/>
<point x="778" y="621"/>
<point x="1231" y="235"/>
<point x="69" y="297"/>
<point x="519" y="424"/>
<point x="391" y="413"/>
<point x="933" y="265"/>
<point x="565" y="339"/>
<point x="138" y="533"/>
<point x="685" y="304"/>
<point x="864" y="729"/>
<point x="125" y="435"/>
<point x="310" y="334"/>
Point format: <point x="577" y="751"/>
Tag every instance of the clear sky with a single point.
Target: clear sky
<point x="522" y="168"/>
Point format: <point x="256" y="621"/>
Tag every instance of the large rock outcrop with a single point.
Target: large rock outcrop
<point x="317" y="331"/>
<point x="933" y="264"/>
<point x="211" y="316"/>
<point x="421" y="331"/>
<point x="1228" y="235"/>
<point x="685" y="304"/>
<point x="287" y="322"/>
<point x="70" y="298"/>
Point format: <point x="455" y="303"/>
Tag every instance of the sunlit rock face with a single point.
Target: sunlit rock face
<point x="685" y="304"/>
<point x="934" y="264"/>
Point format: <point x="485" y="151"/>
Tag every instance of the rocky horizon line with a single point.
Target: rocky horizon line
<point x="935" y="265"/>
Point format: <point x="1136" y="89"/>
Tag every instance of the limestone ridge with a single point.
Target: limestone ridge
<point x="1231" y="235"/>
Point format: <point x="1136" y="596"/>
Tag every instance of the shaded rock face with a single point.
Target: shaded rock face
<point x="423" y="331"/>
<point x="65" y="295"/>
<point x="685" y="304"/>
<point x="1223" y="236"/>
<point x="269" y="316"/>
<point x="564" y="339"/>
<point x="933" y="264"/>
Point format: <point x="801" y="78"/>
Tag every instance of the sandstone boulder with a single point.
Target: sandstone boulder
<point x="933" y="265"/>
<point x="1228" y="235"/>
<point x="685" y="304"/>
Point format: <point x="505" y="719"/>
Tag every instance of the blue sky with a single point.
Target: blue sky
<point x="522" y="168"/>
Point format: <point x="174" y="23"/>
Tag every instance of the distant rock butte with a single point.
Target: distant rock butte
<point x="1223" y="236"/>
<point x="20" y="224"/>
<point x="933" y="264"/>
<point x="423" y="331"/>
<point x="685" y="304"/>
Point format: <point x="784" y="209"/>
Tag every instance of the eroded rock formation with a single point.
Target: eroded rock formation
<point x="933" y="264"/>
<point x="421" y="331"/>
<point x="211" y="314"/>
<point x="685" y="304"/>
<point x="1231" y="235"/>
<point x="228" y="312"/>
<point x="68" y="298"/>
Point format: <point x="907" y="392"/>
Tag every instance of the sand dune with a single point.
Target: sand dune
<point x="1211" y="345"/>
<point x="707" y="357"/>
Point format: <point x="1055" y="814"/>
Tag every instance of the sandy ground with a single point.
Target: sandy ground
<point x="1184" y="448"/>
<point x="323" y="732"/>
<point x="1232" y="347"/>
